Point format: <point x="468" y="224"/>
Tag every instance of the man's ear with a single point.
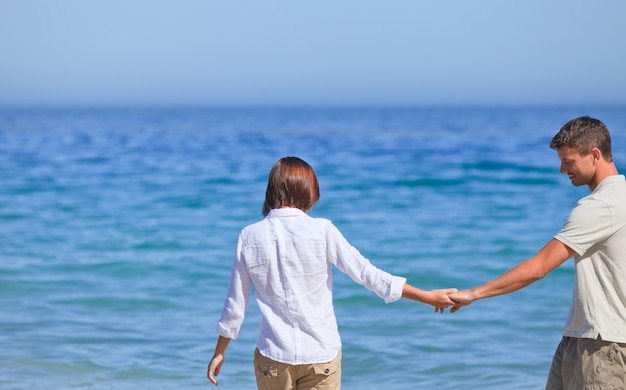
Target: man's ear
<point x="597" y="155"/>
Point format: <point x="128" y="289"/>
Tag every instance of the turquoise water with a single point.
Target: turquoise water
<point x="118" y="227"/>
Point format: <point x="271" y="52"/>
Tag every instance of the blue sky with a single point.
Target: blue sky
<point x="341" y="52"/>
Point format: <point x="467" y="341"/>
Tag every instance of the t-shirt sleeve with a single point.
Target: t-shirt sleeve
<point x="588" y="223"/>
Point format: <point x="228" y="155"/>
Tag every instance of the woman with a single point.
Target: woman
<point x="288" y="258"/>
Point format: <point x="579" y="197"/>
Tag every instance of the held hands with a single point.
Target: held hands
<point x="444" y="298"/>
<point x="441" y="299"/>
<point x="460" y="299"/>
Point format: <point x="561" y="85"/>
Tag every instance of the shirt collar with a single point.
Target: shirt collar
<point x="285" y="212"/>
<point x="610" y="179"/>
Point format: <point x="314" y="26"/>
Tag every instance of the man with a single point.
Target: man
<point x="592" y="353"/>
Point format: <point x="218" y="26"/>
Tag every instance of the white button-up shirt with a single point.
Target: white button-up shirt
<point x="288" y="257"/>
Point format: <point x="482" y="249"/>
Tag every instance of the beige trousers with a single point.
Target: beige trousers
<point x="586" y="364"/>
<point x="273" y="375"/>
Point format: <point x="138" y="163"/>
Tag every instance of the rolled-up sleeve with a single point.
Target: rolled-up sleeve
<point x="237" y="298"/>
<point x="351" y="262"/>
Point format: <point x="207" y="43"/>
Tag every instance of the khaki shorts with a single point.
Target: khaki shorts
<point x="587" y="364"/>
<point x="273" y="375"/>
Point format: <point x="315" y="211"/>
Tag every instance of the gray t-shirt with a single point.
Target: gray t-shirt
<point x="596" y="231"/>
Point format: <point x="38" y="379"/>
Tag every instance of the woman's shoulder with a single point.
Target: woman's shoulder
<point x="255" y="226"/>
<point x="320" y="220"/>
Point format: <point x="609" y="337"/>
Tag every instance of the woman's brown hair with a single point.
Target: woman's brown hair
<point x="291" y="183"/>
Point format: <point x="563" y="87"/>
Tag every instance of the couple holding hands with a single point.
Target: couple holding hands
<point x="288" y="258"/>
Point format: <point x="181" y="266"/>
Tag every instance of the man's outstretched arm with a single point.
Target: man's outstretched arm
<point x="552" y="255"/>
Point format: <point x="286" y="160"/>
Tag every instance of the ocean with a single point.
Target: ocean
<point x="118" y="228"/>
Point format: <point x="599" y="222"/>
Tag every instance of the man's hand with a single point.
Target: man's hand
<point x="441" y="299"/>
<point x="461" y="298"/>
